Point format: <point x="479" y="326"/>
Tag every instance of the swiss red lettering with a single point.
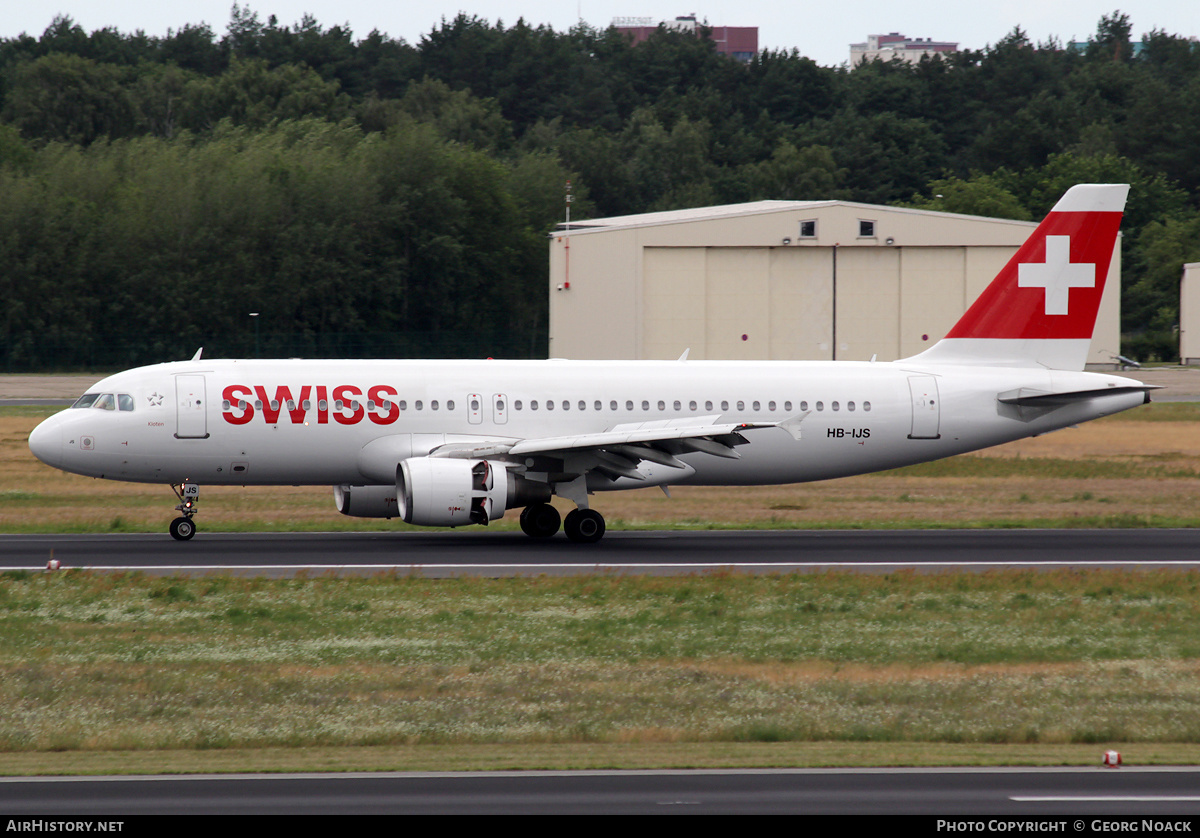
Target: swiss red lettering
<point x="347" y="407"/>
<point x="347" y="393"/>
<point x="283" y="395"/>
<point x="299" y="406"/>
<point x="233" y="394"/>
<point x="378" y="394"/>
<point x="271" y="414"/>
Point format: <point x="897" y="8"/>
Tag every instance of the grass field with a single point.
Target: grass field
<point x="112" y="673"/>
<point x="903" y="667"/>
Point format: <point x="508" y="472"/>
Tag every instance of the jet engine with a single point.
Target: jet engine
<point x="437" y="492"/>
<point x="443" y="492"/>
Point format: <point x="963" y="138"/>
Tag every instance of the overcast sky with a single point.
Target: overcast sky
<point x="822" y="31"/>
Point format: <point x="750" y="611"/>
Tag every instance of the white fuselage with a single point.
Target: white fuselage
<point x="213" y="422"/>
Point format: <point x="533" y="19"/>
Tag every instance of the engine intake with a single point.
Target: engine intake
<point x="441" y="492"/>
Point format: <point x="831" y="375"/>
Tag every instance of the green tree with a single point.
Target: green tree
<point x="538" y="183"/>
<point x="457" y="115"/>
<point x="193" y="47"/>
<point x="979" y="194"/>
<point x="66" y="97"/>
<point x="1150" y="303"/>
<point x="791" y="174"/>
<point x="1113" y="40"/>
<point x="885" y="157"/>
<point x="252" y="93"/>
<point x="788" y="87"/>
<point x="15" y="153"/>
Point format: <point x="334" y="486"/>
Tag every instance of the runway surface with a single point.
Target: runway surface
<point x="977" y="795"/>
<point x="665" y="553"/>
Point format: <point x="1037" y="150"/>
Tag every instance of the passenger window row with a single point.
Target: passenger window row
<point x="677" y="406"/>
<point x="533" y="404"/>
<point x="338" y="404"/>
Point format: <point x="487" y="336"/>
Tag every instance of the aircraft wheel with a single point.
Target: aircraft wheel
<point x="541" y="520"/>
<point x="584" y="526"/>
<point x="182" y="529"/>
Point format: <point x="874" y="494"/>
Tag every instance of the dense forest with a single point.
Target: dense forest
<point x="380" y="198"/>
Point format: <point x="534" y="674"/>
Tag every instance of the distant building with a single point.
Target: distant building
<point x="897" y="47"/>
<point x="740" y="42"/>
<point x="1082" y="46"/>
<point x="1189" y="314"/>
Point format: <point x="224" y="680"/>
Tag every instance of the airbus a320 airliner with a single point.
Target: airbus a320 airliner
<point x="448" y="443"/>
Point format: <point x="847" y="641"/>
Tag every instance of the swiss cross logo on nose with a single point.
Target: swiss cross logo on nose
<point x="1057" y="275"/>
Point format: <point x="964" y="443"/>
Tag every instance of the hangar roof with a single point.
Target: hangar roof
<point x="647" y="219"/>
<point x="751" y="208"/>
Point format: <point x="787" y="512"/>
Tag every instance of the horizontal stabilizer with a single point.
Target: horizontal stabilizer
<point x="1026" y="397"/>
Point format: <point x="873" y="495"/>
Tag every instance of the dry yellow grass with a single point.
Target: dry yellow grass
<point x="942" y="672"/>
<point x="900" y="500"/>
<point x="1121" y="437"/>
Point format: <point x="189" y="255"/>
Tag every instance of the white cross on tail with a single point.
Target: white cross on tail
<point x="1058" y="275"/>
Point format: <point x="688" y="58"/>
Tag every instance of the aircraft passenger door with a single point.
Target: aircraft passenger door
<point x="474" y="408"/>
<point x="499" y="408"/>
<point x="191" y="409"/>
<point x="926" y="407"/>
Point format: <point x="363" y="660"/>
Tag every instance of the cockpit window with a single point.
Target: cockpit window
<point x="106" y="401"/>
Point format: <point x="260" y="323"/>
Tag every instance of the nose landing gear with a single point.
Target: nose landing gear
<point x="183" y="527"/>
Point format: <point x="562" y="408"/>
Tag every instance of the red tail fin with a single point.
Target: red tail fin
<point x="1041" y="308"/>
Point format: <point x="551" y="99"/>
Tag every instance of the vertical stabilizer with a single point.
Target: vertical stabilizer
<point x="1041" y="308"/>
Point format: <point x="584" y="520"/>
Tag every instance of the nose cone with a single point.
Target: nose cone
<point x="46" y="442"/>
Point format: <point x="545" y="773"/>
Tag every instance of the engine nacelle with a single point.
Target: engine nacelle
<point x="367" y="501"/>
<point x="443" y="492"/>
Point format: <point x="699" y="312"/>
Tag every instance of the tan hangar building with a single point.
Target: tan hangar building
<point x="1189" y="314"/>
<point x="782" y="280"/>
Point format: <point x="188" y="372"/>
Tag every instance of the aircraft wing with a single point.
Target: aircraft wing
<point x="686" y="433"/>
<point x="618" y="451"/>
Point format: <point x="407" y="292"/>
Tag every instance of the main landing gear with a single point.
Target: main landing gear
<point x="583" y="526"/>
<point x="541" y="520"/>
<point x="183" y="527"/>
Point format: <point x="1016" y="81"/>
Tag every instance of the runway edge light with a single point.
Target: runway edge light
<point x="1112" y="759"/>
